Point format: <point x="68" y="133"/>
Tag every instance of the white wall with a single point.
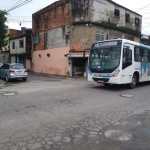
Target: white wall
<point x="18" y="50"/>
<point x="13" y="59"/>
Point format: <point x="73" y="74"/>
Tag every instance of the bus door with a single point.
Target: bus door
<point x="127" y="61"/>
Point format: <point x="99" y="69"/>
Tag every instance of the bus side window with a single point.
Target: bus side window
<point x="145" y="55"/>
<point x="127" y="58"/>
<point x="137" y="54"/>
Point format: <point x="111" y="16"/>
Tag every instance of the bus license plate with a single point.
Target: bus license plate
<point x="100" y="81"/>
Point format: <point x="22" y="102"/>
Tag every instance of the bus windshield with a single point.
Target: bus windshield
<point x="105" y="57"/>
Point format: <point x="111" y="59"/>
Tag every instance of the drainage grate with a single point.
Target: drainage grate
<point x="127" y="95"/>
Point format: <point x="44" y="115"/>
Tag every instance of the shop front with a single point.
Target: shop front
<point x="77" y="65"/>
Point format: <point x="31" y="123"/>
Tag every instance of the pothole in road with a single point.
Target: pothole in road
<point x="9" y="94"/>
<point x="127" y="95"/>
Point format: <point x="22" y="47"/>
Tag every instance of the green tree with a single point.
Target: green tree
<point x="3" y="27"/>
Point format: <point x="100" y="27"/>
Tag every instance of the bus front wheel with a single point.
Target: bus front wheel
<point x="133" y="83"/>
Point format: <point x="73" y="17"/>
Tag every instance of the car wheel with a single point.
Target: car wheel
<point x="133" y="83"/>
<point x="6" y="78"/>
<point x="24" y="79"/>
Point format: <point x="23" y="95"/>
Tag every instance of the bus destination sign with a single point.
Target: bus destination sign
<point x="107" y="44"/>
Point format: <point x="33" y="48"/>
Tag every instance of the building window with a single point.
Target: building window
<point x="13" y="45"/>
<point x="100" y="36"/>
<point x="21" y="44"/>
<point x="117" y="13"/>
<point x="127" y="17"/>
<point x="137" y="21"/>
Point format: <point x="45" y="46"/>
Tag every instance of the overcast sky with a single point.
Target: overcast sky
<point x="24" y="13"/>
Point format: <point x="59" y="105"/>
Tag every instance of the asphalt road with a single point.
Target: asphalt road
<point x="46" y="113"/>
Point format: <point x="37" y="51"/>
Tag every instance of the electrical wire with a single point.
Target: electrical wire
<point x="6" y="4"/>
<point x="140" y="8"/>
<point x="19" y="5"/>
<point x="143" y="7"/>
<point x="13" y="5"/>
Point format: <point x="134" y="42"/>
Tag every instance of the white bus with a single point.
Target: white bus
<point x="119" y="61"/>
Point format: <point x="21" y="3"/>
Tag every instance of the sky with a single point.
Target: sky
<point x="24" y="13"/>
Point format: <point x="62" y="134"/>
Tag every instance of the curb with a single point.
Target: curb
<point x="56" y="76"/>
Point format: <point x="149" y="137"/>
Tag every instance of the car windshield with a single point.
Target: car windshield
<point x="18" y="66"/>
<point x="105" y="58"/>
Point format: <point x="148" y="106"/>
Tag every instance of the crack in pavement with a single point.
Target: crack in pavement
<point x="54" y="135"/>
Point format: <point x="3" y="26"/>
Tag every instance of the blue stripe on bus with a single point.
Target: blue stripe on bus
<point x="144" y="46"/>
<point x="106" y="76"/>
<point x="90" y="71"/>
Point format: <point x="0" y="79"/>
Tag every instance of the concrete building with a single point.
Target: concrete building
<point x="20" y="47"/>
<point x="64" y="31"/>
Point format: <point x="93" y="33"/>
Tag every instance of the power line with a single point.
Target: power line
<point x="19" y="5"/>
<point x="15" y="4"/>
<point x="23" y="3"/>
<point x="18" y="17"/>
<point x="7" y="4"/>
<point x="142" y="7"/>
<point x="15" y="20"/>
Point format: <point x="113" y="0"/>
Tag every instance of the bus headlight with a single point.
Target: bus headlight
<point x="115" y="74"/>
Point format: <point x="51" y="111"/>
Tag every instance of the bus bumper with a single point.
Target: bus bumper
<point x="111" y="80"/>
<point x="90" y="78"/>
<point x="115" y="80"/>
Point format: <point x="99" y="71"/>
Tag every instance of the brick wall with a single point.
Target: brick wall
<point x="54" y="15"/>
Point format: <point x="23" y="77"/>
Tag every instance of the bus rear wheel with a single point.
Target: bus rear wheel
<point x="133" y="83"/>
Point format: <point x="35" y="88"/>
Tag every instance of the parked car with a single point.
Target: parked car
<point x="13" y="71"/>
